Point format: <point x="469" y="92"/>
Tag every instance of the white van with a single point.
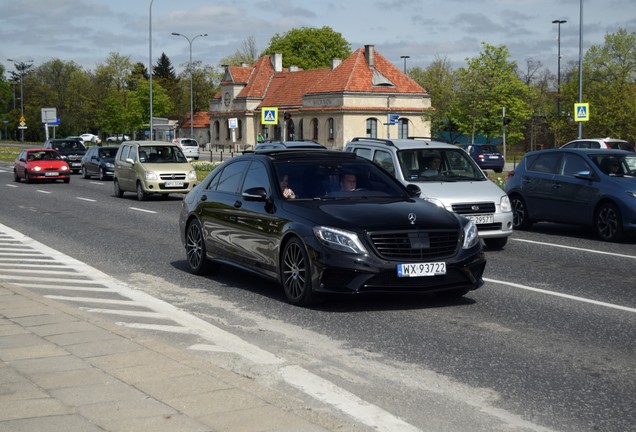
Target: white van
<point x="448" y="177"/>
<point x="189" y="147"/>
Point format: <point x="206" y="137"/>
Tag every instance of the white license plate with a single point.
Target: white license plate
<point x="51" y="174"/>
<point x="482" y="219"/>
<point x="174" y="184"/>
<point x="421" y="269"/>
<point x="494" y="157"/>
<point x="76" y="164"/>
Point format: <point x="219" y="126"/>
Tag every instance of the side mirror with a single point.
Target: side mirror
<point x="414" y="190"/>
<point x="130" y="161"/>
<point x="584" y="175"/>
<point x="255" y="194"/>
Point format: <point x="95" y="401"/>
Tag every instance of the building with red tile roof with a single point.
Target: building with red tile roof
<point x="353" y="97"/>
<point x="200" y="127"/>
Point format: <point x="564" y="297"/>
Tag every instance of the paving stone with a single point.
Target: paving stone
<point x="165" y="423"/>
<point x="94" y="393"/>
<point x="37" y="351"/>
<point x="115" y="412"/>
<point x="259" y="419"/>
<point x="63" y="328"/>
<point x="8" y="328"/>
<point x="48" y="318"/>
<point x="49" y="365"/>
<point x="19" y="340"/>
<point x="20" y="391"/>
<point x="60" y="423"/>
<point x="75" y="338"/>
<point x="72" y="378"/>
<point x="16" y="409"/>
<point x="215" y="402"/>
<point x="187" y="385"/>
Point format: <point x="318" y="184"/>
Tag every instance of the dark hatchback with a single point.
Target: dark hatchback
<point x="100" y="162"/>
<point x="595" y="188"/>
<point x="71" y="149"/>
<point x="376" y="238"/>
<point x="487" y="156"/>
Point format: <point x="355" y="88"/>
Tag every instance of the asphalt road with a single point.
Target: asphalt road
<point x="549" y="343"/>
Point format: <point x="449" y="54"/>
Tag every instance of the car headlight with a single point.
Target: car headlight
<point x="151" y="175"/>
<point x="109" y="165"/>
<point x="345" y="241"/>
<point x="505" y="204"/>
<point x="37" y="168"/>
<point x="471" y="236"/>
<point x="192" y="175"/>
<point x="435" y="201"/>
<point x="64" y="168"/>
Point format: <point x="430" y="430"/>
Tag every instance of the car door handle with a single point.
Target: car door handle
<point x="556" y="186"/>
<point x="204" y="197"/>
<point x="238" y="204"/>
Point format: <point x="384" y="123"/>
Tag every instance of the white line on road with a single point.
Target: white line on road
<point x="86" y="199"/>
<point x="42" y="191"/>
<point x="142" y="210"/>
<point x="567" y="296"/>
<point x="576" y="248"/>
<point x="327" y="392"/>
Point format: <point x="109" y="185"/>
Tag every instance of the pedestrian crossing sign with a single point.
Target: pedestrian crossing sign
<point x="581" y="112"/>
<point x="269" y="116"/>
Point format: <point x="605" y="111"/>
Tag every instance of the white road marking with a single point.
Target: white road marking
<point x="43" y="191"/>
<point x="12" y="185"/>
<point x="142" y="210"/>
<point x="325" y="391"/>
<point x="86" y="199"/>
<point x="576" y="248"/>
<point x="567" y="296"/>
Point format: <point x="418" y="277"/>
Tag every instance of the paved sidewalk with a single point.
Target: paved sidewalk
<point x="64" y="370"/>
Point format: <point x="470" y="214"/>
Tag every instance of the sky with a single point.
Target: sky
<point x="87" y="31"/>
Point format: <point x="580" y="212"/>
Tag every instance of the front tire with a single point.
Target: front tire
<point x="16" y="177"/>
<point x="85" y="173"/>
<point x="295" y="274"/>
<point x="118" y="192"/>
<point x="141" y="195"/>
<point x="27" y="178"/>
<point x="608" y="223"/>
<point x="520" y="216"/>
<point x="196" y="253"/>
<point x="102" y="174"/>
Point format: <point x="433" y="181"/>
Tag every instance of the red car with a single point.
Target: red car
<point x="40" y="164"/>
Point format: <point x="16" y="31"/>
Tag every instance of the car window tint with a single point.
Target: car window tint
<point x="231" y="177"/>
<point x="385" y="160"/>
<point x="573" y="164"/>
<point x="365" y="153"/>
<point x="257" y="177"/>
<point x="545" y="163"/>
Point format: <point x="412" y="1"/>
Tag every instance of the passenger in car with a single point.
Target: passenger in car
<point x="348" y="181"/>
<point x="284" y="187"/>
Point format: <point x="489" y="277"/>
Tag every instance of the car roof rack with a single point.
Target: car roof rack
<point x="378" y="140"/>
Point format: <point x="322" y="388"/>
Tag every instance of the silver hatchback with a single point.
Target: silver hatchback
<point x="448" y="177"/>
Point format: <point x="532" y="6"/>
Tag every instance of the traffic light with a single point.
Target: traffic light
<point x="505" y="120"/>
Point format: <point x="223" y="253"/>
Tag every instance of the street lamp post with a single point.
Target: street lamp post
<point x="559" y="22"/>
<point x="150" y="64"/>
<point x="405" y="57"/>
<point x="190" y="67"/>
<point x="21" y="67"/>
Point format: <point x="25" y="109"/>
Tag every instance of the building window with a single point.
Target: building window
<point x="217" y="131"/>
<point x="227" y="130"/>
<point x="239" y="130"/>
<point x="314" y="129"/>
<point x="291" y="128"/>
<point x="372" y="128"/>
<point x="301" y="132"/>
<point x="330" y="132"/>
<point x="403" y="128"/>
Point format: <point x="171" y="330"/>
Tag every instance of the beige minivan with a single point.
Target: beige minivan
<point x="152" y="167"/>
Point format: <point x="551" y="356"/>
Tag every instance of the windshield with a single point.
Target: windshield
<point x="444" y="164"/>
<point x="336" y="179"/>
<point x="161" y="154"/>
<point x="616" y="165"/>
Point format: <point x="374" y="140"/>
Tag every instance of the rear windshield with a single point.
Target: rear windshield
<point x="189" y="143"/>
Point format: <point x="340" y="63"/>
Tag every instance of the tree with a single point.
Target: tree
<point x="487" y="85"/>
<point x="439" y="80"/>
<point x="610" y="87"/>
<point x="248" y="54"/>
<point x="309" y="48"/>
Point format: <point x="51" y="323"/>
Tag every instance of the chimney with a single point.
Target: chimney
<point x="243" y="64"/>
<point x="293" y="68"/>
<point x="277" y="61"/>
<point x="335" y="62"/>
<point x="369" y="54"/>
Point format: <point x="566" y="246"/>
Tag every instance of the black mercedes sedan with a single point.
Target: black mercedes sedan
<point x="321" y="221"/>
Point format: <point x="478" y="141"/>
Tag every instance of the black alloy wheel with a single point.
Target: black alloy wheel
<point x="84" y="172"/>
<point x="196" y="254"/>
<point x="102" y="174"/>
<point x="608" y="223"/>
<point x="295" y="269"/>
<point x="520" y="218"/>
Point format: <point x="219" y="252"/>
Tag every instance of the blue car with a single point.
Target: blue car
<point x="487" y="156"/>
<point x="595" y="188"/>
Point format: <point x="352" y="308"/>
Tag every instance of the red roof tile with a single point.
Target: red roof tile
<point x="201" y="120"/>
